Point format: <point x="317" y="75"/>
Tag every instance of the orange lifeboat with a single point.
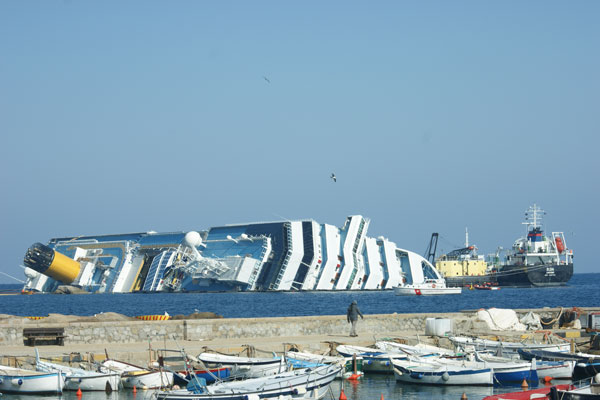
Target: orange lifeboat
<point x="560" y="246"/>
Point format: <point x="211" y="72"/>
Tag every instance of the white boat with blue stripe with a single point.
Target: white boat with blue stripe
<point x="24" y="381"/>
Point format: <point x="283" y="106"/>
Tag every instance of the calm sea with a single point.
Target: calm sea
<point x="582" y="291"/>
<point x="371" y="387"/>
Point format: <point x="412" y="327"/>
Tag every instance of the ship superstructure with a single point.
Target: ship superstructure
<point x="536" y="259"/>
<point x="462" y="262"/>
<point x="276" y="256"/>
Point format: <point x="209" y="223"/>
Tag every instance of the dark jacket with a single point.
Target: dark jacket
<point x="353" y="312"/>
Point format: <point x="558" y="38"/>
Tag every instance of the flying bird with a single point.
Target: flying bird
<point x="266" y="79"/>
<point x="333" y="177"/>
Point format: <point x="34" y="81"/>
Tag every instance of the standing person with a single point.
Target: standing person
<point x="352" y="316"/>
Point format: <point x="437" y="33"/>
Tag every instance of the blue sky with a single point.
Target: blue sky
<point x="435" y="116"/>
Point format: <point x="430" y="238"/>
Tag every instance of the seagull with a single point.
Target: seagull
<point x="333" y="177"/>
<point x="266" y="79"/>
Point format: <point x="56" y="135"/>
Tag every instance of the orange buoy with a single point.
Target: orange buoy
<point x="342" y="395"/>
<point x="547" y="378"/>
<point x="381" y="397"/>
<point x="79" y="394"/>
<point x="524" y="385"/>
<point x="464" y="396"/>
<point x="134" y="389"/>
<point x="353" y="377"/>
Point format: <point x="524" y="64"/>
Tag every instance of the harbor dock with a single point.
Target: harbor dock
<point x="134" y="340"/>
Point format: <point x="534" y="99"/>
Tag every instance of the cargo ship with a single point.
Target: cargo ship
<point x="298" y="255"/>
<point x="535" y="260"/>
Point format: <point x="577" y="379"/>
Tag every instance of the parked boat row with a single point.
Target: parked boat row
<point x="302" y="375"/>
<point x="472" y="362"/>
<point x="232" y="377"/>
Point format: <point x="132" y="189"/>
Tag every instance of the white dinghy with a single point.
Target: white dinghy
<point x="78" y="378"/>
<point x="133" y="376"/>
<point x="24" y="381"/>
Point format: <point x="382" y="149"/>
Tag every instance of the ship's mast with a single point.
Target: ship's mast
<point x="466" y="237"/>
<point x="533" y="217"/>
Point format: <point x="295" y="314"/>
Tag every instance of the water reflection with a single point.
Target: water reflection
<point x="371" y="387"/>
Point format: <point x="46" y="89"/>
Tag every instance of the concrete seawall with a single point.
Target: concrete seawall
<point x="129" y="339"/>
<point x="130" y="330"/>
<point x="135" y="331"/>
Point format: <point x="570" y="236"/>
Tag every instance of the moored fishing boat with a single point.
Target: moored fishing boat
<point x="24" y="381"/>
<point x="545" y="369"/>
<point x="133" y="376"/>
<point x="415" y="371"/>
<point x="508" y="371"/>
<point x="244" y="367"/>
<point x="296" y="384"/>
<point x="586" y="365"/>
<point x="555" y="369"/>
<point x="478" y="344"/>
<point x="419" y="349"/>
<point x="77" y="378"/>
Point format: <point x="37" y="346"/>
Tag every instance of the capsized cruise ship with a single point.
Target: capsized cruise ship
<point x="266" y="256"/>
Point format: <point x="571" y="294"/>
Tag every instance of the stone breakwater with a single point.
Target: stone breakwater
<point x="116" y="328"/>
<point x="136" y="331"/>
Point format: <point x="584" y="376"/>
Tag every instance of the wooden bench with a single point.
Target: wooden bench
<point x="33" y="336"/>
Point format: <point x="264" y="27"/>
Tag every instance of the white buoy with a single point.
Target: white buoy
<point x="597" y="378"/>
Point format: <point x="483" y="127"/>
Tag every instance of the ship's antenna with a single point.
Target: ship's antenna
<point x="533" y="216"/>
<point x="466" y="237"/>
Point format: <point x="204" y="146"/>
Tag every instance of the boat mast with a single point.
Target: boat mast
<point x="532" y="216"/>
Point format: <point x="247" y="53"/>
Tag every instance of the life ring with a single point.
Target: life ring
<point x="433" y="285"/>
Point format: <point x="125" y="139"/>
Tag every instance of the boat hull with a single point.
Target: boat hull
<point x="483" y="345"/>
<point x="44" y="383"/>
<point x="535" y="275"/>
<point x="441" y="376"/>
<point x="527" y="394"/>
<point x="147" y="380"/>
<point x="516" y="375"/>
<point x="546" y="275"/>
<point x="584" y="393"/>
<point x="99" y="382"/>
<point x="556" y="370"/>
<point x="425" y="291"/>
